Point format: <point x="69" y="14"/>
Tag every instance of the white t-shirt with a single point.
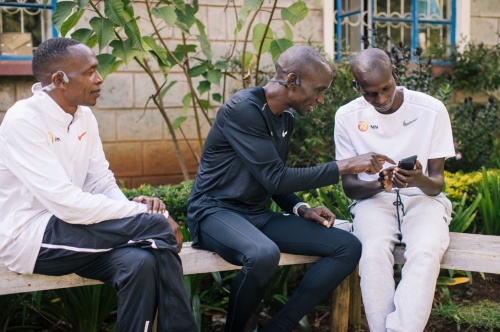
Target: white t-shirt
<point x="421" y="126"/>
<point x="51" y="163"/>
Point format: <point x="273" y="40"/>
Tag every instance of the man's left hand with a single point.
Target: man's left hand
<point x="403" y="178"/>
<point x="155" y="205"/>
<point x="320" y="215"/>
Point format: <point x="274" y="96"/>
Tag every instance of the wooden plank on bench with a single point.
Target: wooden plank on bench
<point x="468" y="252"/>
<point x="193" y="261"/>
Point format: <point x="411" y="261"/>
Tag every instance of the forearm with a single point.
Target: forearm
<point x="358" y="189"/>
<point x="431" y="186"/>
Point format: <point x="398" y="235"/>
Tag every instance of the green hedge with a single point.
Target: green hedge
<point x="457" y="184"/>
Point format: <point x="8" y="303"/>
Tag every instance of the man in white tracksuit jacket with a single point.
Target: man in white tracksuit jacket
<point x="61" y="211"/>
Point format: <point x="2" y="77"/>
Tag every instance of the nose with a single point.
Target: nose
<point x="381" y="99"/>
<point x="99" y="78"/>
<point x="321" y="98"/>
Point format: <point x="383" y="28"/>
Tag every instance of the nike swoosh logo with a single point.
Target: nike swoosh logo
<point x="284" y="133"/>
<point x="80" y="136"/>
<point x="407" y="123"/>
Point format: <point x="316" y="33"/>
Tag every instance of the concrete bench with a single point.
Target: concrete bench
<point x="468" y="252"/>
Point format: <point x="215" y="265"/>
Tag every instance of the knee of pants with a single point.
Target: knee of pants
<point x="353" y="249"/>
<point x="377" y="251"/>
<point x="263" y="259"/>
<point x="425" y="254"/>
<point x="141" y="265"/>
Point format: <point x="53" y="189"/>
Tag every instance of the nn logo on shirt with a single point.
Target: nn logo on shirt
<point x="364" y="126"/>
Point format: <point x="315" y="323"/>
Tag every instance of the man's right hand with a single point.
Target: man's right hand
<point x="370" y="163"/>
<point x="177" y="231"/>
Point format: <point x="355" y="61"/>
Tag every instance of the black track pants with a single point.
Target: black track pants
<point x="255" y="242"/>
<point x="137" y="256"/>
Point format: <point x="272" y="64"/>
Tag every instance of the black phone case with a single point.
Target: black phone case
<point x="408" y="163"/>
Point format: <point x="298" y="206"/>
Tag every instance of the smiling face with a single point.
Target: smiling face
<point x="378" y="87"/>
<point x="84" y="83"/>
<point x="311" y="91"/>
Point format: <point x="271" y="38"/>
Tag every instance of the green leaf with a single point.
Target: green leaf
<point x="107" y="64"/>
<point x="71" y="22"/>
<point x="128" y="10"/>
<point x="188" y="48"/>
<point x="104" y="30"/>
<point x="201" y="28"/>
<point x="123" y="50"/>
<point x="203" y="87"/>
<point x="114" y="11"/>
<point x="163" y="91"/>
<point x="197" y="70"/>
<point x="258" y="36"/>
<point x="92" y="42"/>
<point x="180" y="5"/>
<point x="248" y="58"/>
<point x="248" y="6"/>
<point x="82" y="35"/>
<point x="186" y="101"/>
<point x="214" y="76"/>
<point x="134" y="34"/>
<point x="178" y="121"/>
<point x="205" y="46"/>
<point x="158" y="52"/>
<point x="288" y="31"/>
<point x="205" y="104"/>
<point x="63" y="10"/>
<point x="278" y="46"/>
<point x="221" y="64"/>
<point x="165" y="13"/>
<point x="217" y="97"/>
<point x="186" y="18"/>
<point x="82" y="4"/>
<point x="295" y="13"/>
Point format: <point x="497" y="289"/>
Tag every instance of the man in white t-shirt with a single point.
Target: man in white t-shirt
<point x="398" y="205"/>
<point x="61" y="210"/>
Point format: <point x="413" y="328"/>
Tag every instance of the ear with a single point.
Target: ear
<point x="355" y="85"/>
<point x="292" y="80"/>
<point x="395" y="74"/>
<point x="59" y="78"/>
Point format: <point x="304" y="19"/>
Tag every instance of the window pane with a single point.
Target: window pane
<point x="32" y="22"/>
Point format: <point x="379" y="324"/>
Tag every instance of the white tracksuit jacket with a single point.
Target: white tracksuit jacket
<point x="51" y="163"/>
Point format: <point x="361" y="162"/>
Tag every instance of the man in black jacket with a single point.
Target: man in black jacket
<point x="243" y="166"/>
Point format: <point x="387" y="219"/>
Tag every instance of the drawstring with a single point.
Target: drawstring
<point x="397" y="204"/>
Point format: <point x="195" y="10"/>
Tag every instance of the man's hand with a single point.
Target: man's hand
<point x="403" y="178"/>
<point x="385" y="178"/>
<point x="155" y="205"/>
<point x="370" y="163"/>
<point x="177" y="231"/>
<point x="320" y="215"/>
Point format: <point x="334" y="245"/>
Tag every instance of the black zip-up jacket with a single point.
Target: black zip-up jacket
<point x="243" y="162"/>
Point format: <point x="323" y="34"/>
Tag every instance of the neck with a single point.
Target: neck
<point x="275" y="98"/>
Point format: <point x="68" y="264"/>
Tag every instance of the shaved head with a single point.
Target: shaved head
<point x="50" y="56"/>
<point x="299" y="59"/>
<point x="367" y="60"/>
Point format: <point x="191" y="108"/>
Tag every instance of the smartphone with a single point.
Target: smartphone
<point x="408" y="163"/>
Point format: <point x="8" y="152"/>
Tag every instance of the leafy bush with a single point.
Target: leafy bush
<point x="475" y="128"/>
<point x="476" y="68"/>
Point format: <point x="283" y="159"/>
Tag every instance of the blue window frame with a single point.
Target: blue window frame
<point x="418" y="23"/>
<point x="24" y="24"/>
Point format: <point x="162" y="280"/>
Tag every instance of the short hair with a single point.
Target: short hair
<point x="369" y="59"/>
<point x="298" y="59"/>
<point x="50" y="52"/>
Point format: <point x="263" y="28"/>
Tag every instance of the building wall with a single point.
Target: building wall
<point x="134" y="134"/>
<point x="135" y="137"/>
<point x="485" y="21"/>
